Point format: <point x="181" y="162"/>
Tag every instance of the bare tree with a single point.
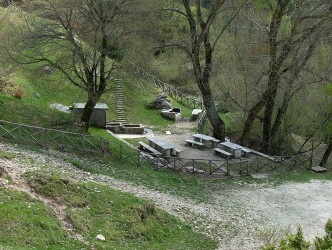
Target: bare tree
<point x="201" y="45"/>
<point x="79" y="38"/>
<point x="295" y="31"/>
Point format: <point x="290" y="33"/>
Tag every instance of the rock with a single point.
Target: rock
<point x="318" y="169"/>
<point x="37" y="95"/>
<point x="100" y="237"/>
<point x="47" y="69"/>
<point x="161" y="102"/>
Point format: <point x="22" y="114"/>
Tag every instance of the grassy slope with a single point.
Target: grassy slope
<point x="126" y="221"/>
<point x="29" y="224"/>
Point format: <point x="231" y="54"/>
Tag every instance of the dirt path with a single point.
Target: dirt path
<point x="235" y="218"/>
<point x="19" y="183"/>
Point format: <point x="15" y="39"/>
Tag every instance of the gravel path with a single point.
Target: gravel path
<point x="241" y="218"/>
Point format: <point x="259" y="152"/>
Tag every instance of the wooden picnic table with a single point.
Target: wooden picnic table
<point x="163" y="147"/>
<point x="207" y="140"/>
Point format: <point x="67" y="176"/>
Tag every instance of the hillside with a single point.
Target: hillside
<point x="69" y="207"/>
<point x="65" y="197"/>
<point x="50" y="204"/>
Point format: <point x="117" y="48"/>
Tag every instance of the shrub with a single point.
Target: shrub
<point x="297" y="241"/>
<point x="19" y="93"/>
<point x="325" y="242"/>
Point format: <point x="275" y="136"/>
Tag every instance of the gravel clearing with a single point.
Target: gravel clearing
<point x="238" y="218"/>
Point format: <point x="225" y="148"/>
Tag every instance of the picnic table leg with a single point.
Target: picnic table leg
<point x="167" y="152"/>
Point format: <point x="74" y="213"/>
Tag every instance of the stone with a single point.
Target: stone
<point x="100" y="237"/>
<point x="161" y="102"/>
<point x="37" y="95"/>
<point x="319" y="169"/>
<point x="47" y="69"/>
<point x="195" y="114"/>
<point x="165" y="104"/>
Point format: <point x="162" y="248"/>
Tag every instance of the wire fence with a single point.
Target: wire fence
<point x="186" y="100"/>
<point x="97" y="146"/>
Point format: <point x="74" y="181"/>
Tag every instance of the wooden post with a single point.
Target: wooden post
<point x="227" y="168"/>
<point x="120" y="151"/>
<point x="193" y="166"/>
<point x="138" y="158"/>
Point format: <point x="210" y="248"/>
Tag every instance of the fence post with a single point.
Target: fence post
<point x="138" y="158"/>
<point x="42" y="137"/>
<point x="20" y="132"/>
<point x="63" y="141"/>
<point x="174" y="164"/>
<point x="210" y="167"/>
<point x="227" y="167"/>
<point x="247" y="168"/>
<point x="156" y="164"/>
<point x="102" y="145"/>
<point x="193" y="166"/>
<point x="120" y="151"/>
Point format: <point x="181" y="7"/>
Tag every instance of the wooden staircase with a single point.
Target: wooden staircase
<point x="120" y="102"/>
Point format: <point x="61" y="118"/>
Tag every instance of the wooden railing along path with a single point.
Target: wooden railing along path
<point x="96" y="146"/>
<point x="187" y="100"/>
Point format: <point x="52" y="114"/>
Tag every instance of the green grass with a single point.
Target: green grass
<point x="7" y="155"/>
<point x="126" y="222"/>
<point x="29" y="224"/>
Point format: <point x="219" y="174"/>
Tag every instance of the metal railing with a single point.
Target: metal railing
<point x="95" y="146"/>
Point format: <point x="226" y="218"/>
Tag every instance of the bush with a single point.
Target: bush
<point x="19" y="93"/>
<point x="325" y="242"/>
<point x="297" y="241"/>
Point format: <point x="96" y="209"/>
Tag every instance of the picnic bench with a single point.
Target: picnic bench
<point x="176" y="152"/>
<point x="194" y="144"/>
<point x="208" y="141"/>
<point x="222" y="152"/>
<point x="195" y="114"/>
<point x="231" y="148"/>
<point x="163" y="147"/>
<point x="235" y="149"/>
<point x="146" y="147"/>
<point x="245" y="152"/>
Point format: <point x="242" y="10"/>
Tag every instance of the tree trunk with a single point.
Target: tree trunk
<point x="326" y="153"/>
<point x="275" y="132"/>
<point x="250" y="122"/>
<point x="267" y="119"/>
<point x="212" y="113"/>
<point x="87" y="111"/>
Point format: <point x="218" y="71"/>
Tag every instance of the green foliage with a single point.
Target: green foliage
<point x="126" y="221"/>
<point x="292" y="242"/>
<point x="59" y="188"/>
<point x="325" y="243"/>
<point x="297" y="241"/>
<point x="7" y="155"/>
<point x="115" y="52"/>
